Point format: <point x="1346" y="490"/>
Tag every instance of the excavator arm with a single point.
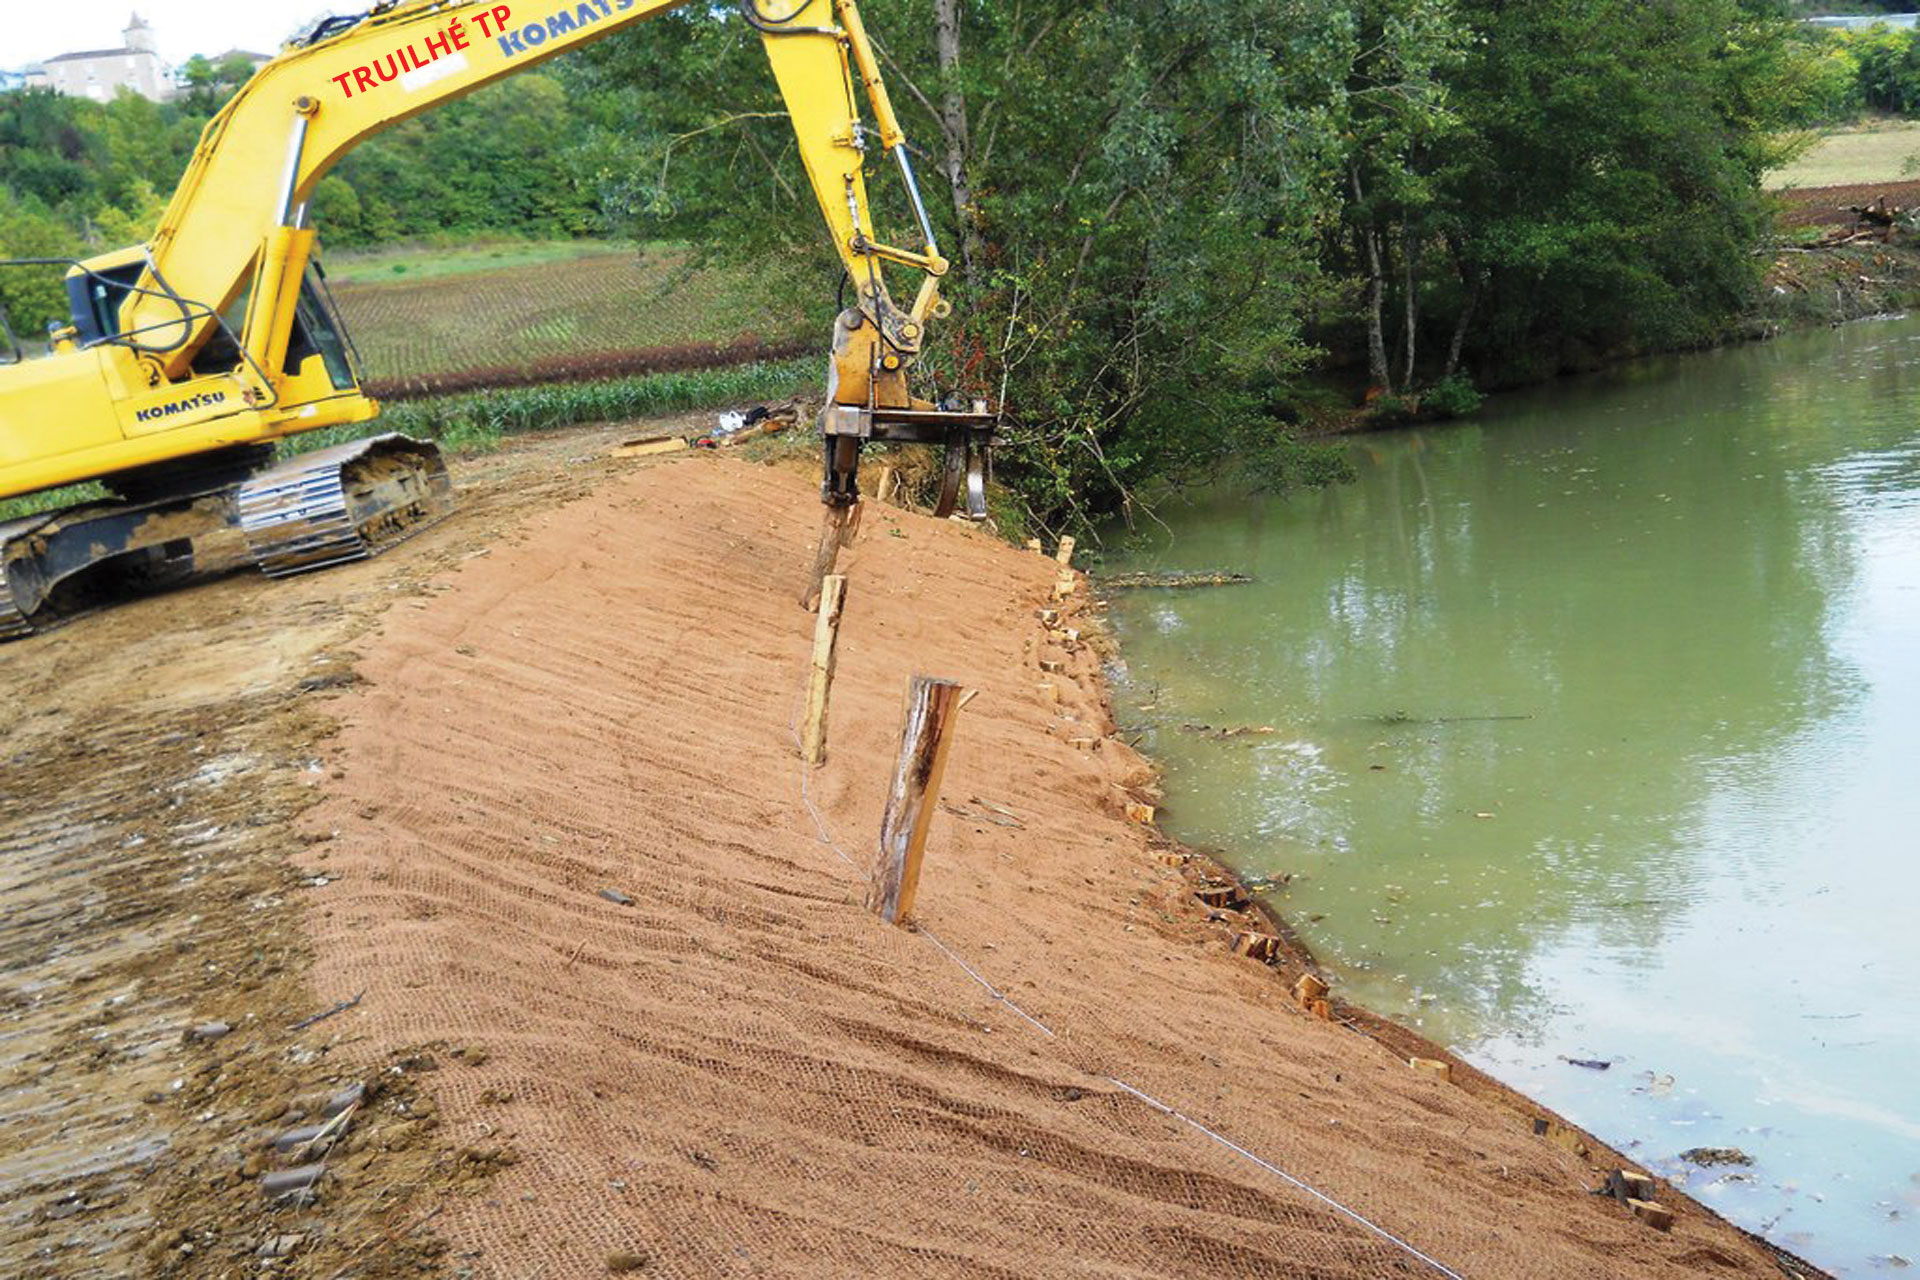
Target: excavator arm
<point x="237" y="222"/>
<point x="187" y="357"/>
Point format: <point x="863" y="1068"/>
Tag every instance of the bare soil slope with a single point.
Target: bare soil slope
<point x="153" y="759"/>
<point x="727" y="1067"/>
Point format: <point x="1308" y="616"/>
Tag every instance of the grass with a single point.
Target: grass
<point x="478" y="422"/>
<point x="415" y="261"/>
<point x="1874" y="152"/>
<point x="34" y="504"/>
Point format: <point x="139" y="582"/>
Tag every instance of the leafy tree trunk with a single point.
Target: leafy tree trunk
<point x="1474" y="280"/>
<point x="1377" y="371"/>
<point x="1410" y="254"/>
<point x="958" y="133"/>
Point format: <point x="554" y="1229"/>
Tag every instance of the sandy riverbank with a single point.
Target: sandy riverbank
<point x="738" y="1071"/>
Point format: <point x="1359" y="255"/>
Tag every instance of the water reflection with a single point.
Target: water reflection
<point x="1589" y="727"/>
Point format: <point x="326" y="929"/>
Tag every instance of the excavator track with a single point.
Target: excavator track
<point x="13" y="623"/>
<point x="323" y="508"/>
<point x="341" y="504"/>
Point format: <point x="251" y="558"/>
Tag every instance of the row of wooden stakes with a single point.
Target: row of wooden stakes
<point x="1311" y="993"/>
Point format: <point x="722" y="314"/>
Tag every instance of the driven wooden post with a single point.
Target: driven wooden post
<point x="826" y="638"/>
<point x="1063" y="586"/>
<point x="932" y="707"/>
<point x="837" y="525"/>
<point x="889" y="485"/>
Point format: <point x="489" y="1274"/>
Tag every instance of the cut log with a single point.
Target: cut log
<point x="1308" y="989"/>
<point x="1063" y="555"/>
<point x="826" y="640"/>
<point x="1263" y="947"/>
<point x="1221" y="897"/>
<point x="647" y="446"/>
<point x="889" y="487"/>
<point x="1172" y="581"/>
<point x="1434" y="1067"/>
<point x="1657" y="1216"/>
<point x="1627" y="1185"/>
<point x="932" y="707"/>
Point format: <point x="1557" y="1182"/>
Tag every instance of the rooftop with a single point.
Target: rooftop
<point x="99" y="53"/>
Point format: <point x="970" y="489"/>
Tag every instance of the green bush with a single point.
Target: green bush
<point x="1453" y="397"/>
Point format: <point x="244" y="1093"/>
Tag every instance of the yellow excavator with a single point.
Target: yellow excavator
<point x="187" y="357"/>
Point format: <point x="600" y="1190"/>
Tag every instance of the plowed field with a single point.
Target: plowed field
<point x="547" y="320"/>
<point x="1833" y="206"/>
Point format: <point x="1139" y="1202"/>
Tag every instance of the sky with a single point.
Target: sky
<point x="183" y="27"/>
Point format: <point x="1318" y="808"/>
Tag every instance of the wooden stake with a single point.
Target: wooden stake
<point x="1308" y="989"/>
<point x="826" y="638"/>
<point x="932" y="708"/>
<point x="850" y="527"/>
<point x="888" y="487"/>
<point x="834" y="523"/>
<point x="1064" y="555"/>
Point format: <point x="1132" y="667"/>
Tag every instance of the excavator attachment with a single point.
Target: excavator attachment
<point x="324" y="508"/>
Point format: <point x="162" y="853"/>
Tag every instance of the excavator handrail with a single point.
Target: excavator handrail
<point x="190" y="312"/>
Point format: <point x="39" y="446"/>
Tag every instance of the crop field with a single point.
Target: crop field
<point x="1870" y="154"/>
<point x="458" y="322"/>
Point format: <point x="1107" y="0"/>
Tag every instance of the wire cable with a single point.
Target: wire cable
<point x="824" y="835"/>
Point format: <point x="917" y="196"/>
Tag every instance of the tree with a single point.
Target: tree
<point x="206" y="85"/>
<point x="1397" y="119"/>
<point x="1605" y="184"/>
<point x="33" y="297"/>
<point x="1135" y="194"/>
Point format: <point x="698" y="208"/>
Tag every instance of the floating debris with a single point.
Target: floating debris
<point x="1238" y="731"/>
<point x="1173" y="581"/>
<point x="1710" y="1156"/>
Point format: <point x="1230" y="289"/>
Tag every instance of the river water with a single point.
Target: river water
<point x="1595" y="736"/>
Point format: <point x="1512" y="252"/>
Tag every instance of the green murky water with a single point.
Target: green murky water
<point x="1595" y="734"/>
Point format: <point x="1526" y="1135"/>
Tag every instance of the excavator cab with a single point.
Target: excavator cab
<point x="224" y="503"/>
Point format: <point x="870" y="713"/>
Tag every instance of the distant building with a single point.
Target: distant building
<point x="11" y="80"/>
<point x="101" y="73"/>
<point x="258" y="60"/>
<point x="1899" y="21"/>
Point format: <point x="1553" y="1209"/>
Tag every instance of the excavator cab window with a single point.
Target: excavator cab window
<point x="96" y="297"/>
<point x="317" y="331"/>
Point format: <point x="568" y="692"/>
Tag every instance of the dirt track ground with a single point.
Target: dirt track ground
<point x="1833" y="206"/>
<point x="155" y="757"/>
<point x="739" y="1072"/>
